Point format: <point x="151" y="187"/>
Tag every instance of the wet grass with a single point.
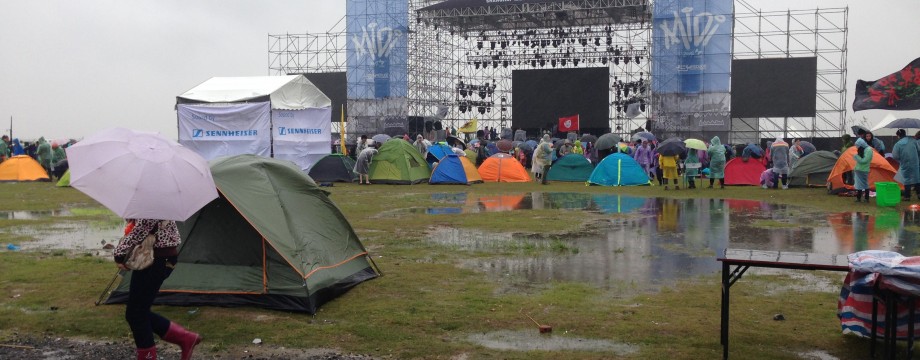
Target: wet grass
<point x="426" y="306"/>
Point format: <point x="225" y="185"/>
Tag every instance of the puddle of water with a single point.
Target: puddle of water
<point x="674" y="239"/>
<point x="32" y="215"/>
<point x="532" y="340"/>
<point x="85" y="237"/>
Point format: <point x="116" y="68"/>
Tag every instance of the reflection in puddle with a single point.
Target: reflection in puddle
<point x="672" y="239"/>
<point x="531" y="340"/>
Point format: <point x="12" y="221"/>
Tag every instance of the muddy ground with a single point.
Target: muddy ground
<point x="51" y="348"/>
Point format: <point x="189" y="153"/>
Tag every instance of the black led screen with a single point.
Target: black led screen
<point x="774" y="87"/>
<point x="334" y="85"/>
<point x="541" y="97"/>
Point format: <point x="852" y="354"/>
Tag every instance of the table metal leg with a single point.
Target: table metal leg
<point x="726" y="285"/>
<point x="910" y="327"/>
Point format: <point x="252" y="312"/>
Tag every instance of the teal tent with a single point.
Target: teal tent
<point x="572" y="167"/>
<point x="272" y="239"/>
<point x="618" y="169"/>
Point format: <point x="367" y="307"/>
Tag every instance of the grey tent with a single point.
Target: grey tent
<point x="272" y="239"/>
<point x="813" y="169"/>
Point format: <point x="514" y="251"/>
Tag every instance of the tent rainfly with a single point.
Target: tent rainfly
<point x="285" y="117"/>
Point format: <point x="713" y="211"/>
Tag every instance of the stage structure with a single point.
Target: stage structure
<point x="461" y="58"/>
<point x="817" y="33"/>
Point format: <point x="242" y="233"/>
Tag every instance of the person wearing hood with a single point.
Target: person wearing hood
<point x="421" y="144"/>
<point x="578" y="149"/>
<point x="780" y="153"/>
<point x="905" y="152"/>
<point x="4" y="148"/>
<point x="17" y="148"/>
<point x="644" y="156"/>
<point x="874" y="142"/>
<point x="546" y="149"/>
<point x="847" y="141"/>
<point x="863" y="159"/>
<point x="363" y="162"/>
<point x="716" y="162"/>
<point x="44" y="154"/>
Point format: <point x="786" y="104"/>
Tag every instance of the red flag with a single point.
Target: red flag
<point x="568" y="123"/>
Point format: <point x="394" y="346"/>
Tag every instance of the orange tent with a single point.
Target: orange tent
<point x="502" y="167"/>
<point x="879" y="170"/>
<point x="22" y="168"/>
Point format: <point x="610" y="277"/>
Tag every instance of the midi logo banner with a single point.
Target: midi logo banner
<point x="692" y="42"/>
<point x="377" y="57"/>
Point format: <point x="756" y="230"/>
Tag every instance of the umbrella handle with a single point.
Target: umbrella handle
<point x="108" y="288"/>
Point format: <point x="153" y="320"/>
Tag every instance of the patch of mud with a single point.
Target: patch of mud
<point x="50" y="348"/>
<point x="817" y="355"/>
<point x="798" y="281"/>
<point x="531" y="340"/>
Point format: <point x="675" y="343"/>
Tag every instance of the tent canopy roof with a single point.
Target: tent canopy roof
<point x="290" y="92"/>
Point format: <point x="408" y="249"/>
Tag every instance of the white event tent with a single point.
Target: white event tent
<point x="285" y="117"/>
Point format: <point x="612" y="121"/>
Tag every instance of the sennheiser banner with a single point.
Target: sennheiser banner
<point x="226" y="130"/>
<point x="302" y="136"/>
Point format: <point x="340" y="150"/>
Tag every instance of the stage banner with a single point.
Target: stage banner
<point x="692" y="46"/>
<point x="226" y="130"/>
<point x="377" y="59"/>
<point x="302" y="136"/>
<point x="681" y="113"/>
<point x="897" y="91"/>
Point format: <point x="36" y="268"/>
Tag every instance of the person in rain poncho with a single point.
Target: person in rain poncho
<point x="691" y="168"/>
<point x="17" y="148"/>
<point x="44" y="154"/>
<point x="363" y="162"/>
<point x="4" y="148"/>
<point x="644" y="157"/>
<point x="421" y="144"/>
<point x="716" y="162"/>
<point x="668" y="165"/>
<point x="546" y="150"/>
<point x="874" y="142"/>
<point x="578" y="149"/>
<point x="362" y="144"/>
<point x="566" y="148"/>
<point x="905" y="152"/>
<point x="863" y="159"/>
<point x="780" y="153"/>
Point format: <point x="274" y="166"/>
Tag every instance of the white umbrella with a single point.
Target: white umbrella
<point x="141" y="175"/>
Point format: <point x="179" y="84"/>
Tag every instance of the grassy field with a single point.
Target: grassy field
<point x="426" y="306"/>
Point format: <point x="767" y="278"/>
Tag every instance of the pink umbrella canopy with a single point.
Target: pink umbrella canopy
<point x="141" y="175"/>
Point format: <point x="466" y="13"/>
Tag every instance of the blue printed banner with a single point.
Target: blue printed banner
<point x="691" y="46"/>
<point x="377" y="57"/>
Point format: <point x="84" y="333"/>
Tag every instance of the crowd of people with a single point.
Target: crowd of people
<point x="50" y="155"/>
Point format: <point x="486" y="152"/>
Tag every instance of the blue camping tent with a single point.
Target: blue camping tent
<point x="618" y="169"/>
<point x="436" y="152"/>
<point x="453" y="169"/>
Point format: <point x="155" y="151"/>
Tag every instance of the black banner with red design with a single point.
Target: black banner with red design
<point x="898" y="91"/>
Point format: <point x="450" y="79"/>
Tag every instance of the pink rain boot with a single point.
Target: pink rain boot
<point x="186" y="340"/>
<point x="147" y="354"/>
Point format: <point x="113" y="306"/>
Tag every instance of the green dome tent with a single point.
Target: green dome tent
<point x="272" y="239"/>
<point x="813" y="169"/>
<point x="334" y="167"/>
<point x="398" y="162"/>
<point x="64" y="181"/>
<point x="572" y="167"/>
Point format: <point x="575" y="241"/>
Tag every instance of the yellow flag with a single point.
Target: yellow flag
<point x="342" y="131"/>
<point x="469" y="127"/>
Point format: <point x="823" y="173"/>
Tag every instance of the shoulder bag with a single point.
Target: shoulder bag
<point x="140" y="256"/>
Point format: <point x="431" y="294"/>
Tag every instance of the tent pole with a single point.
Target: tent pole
<point x="371" y="258"/>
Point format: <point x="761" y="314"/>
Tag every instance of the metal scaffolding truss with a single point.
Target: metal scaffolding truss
<point x="535" y="15"/>
<point x="820" y="33"/>
<point x="308" y="53"/>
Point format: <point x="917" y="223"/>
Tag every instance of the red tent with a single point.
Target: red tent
<point x="739" y="172"/>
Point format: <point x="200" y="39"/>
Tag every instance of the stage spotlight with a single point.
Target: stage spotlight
<point x="609" y="41"/>
<point x="476" y="63"/>
<point x="553" y="62"/>
<point x="637" y="59"/>
<point x="604" y="60"/>
<point x="533" y="63"/>
<point x="505" y="63"/>
<point x="597" y="41"/>
<point x="583" y="41"/>
<point x="504" y="44"/>
<point x="482" y="110"/>
<point x="479" y="45"/>
<point x="563" y="62"/>
<point x="495" y="64"/>
<point x="542" y="62"/>
<point x="575" y="62"/>
<point x="492" y="45"/>
<point x="462" y="107"/>
<point x="616" y="61"/>
<point x="626" y="59"/>
<point x="463" y="92"/>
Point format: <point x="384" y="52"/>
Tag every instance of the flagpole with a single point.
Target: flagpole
<point x="342" y="131"/>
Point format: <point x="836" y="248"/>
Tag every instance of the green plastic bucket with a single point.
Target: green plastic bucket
<point x="887" y="194"/>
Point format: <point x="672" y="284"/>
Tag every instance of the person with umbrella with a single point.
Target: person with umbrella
<point x="905" y="152"/>
<point x="863" y="159"/>
<point x="692" y="168"/>
<point x="363" y="162"/>
<point x="780" y="153"/>
<point x="716" y="162"/>
<point x="152" y="182"/>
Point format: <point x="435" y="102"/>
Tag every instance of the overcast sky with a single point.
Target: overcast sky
<point x="71" y="68"/>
